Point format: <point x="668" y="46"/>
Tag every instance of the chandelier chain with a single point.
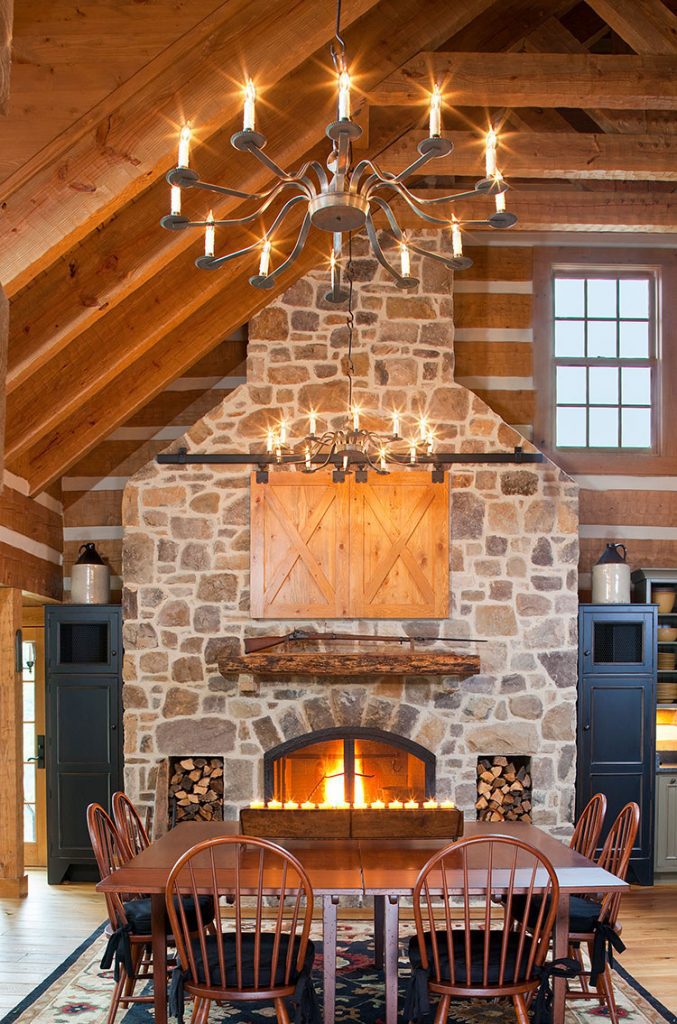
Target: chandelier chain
<point x="338" y="56"/>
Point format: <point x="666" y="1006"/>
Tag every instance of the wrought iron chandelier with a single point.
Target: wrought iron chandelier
<point x="341" y="197"/>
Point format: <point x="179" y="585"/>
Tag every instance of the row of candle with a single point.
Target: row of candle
<point x="377" y="805"/>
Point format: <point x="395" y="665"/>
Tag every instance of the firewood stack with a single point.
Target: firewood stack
<point x="196" y="789"/>
<point x="503" y="790"/>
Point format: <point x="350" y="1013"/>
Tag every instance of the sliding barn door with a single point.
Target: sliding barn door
<point x="350" y="550"/>
<point x="399" y="547"/>
<point x="299" y="558"/>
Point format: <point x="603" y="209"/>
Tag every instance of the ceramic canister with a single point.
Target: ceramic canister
<point x="90" y="578"/>
<point x="611" y="577"/>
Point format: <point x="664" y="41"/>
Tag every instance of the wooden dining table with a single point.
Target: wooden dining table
<point x="386" y="869"/>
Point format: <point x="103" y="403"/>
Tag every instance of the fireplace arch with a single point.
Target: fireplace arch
<point x="352" y="764"/>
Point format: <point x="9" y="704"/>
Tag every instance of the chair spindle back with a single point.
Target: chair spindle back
<point x="243" y="868"/>
<point x="615" y="856"/>
<point x="133" y="836"/>
<point x="456" y="888"/>
<point x="589" y="826"/>
<point x="110" y="855"/>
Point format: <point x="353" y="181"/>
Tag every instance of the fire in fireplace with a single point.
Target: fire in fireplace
<point x="357" y="766"/>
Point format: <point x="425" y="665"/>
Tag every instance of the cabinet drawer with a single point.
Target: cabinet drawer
<point x="666" y="822"/>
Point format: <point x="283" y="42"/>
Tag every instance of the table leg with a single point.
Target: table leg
<point x="561" y="946"/>
<point x="159" y="932"/>
<point x="329" y="909"/>
<point x="379" y="925"/>
<point x="392" y="941"/>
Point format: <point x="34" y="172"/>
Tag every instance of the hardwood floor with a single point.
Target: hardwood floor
<point x="37" y="933"/>
<point x="40" y="931"/>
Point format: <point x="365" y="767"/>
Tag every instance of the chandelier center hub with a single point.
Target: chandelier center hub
<point x="338" y="211"/>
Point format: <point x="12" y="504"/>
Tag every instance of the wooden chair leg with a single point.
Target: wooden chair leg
<point x="600" y="995"/>
<point x="576" y="953"/>
<point x="197" y="1007"/>
<point x="442" y="1009"/>
<point x="281" y="1011"/>
<point x="605" y="983"/>
<point x="204" y="1015"/>
<point x="117" y="995"/>
<point x="130" y="983"/>
<point x="521" y="1009"/>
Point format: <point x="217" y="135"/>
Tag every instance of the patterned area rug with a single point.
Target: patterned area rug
<point x="81" y="995"/>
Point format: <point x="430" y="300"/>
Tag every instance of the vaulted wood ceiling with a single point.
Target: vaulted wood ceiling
<point x="107" y="309"/>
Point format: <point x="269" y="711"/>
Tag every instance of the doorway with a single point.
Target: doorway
<point x="33" y="693"/>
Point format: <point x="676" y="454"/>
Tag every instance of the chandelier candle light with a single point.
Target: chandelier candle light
<point x="341" y="197"/>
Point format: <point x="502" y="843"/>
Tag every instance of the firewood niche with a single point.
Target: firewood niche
<point x="351" y="660"/>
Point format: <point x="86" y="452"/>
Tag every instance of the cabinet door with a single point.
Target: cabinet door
<point x="666" y="823"/>
<point x="616" y="640"/>
<point x="83" y="757"/>
<point x="616" y="748"/>
<point x="83" y="639"/>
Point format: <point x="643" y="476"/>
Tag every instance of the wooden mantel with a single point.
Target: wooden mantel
<point x="338" y="664"/>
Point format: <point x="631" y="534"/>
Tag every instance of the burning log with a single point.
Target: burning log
<point x="503" y="790"/>
<point x="196" y="789"/>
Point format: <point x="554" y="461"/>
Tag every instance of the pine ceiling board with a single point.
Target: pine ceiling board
<point x="6" y="16"/>
<point x="128" y="140"/>
<point x="67" y="56"/>
<point x="504" y="24"/>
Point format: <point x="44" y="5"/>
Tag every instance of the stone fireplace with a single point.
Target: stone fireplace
<point x="512" y="572"/>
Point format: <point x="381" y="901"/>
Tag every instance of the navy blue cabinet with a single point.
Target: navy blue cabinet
<point x="617" y="717"/>
<point x="83" y="729"/>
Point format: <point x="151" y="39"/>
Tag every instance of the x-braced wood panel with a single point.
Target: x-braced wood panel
<point x="350" y="550"/>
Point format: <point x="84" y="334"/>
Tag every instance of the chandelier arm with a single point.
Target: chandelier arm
<point x="398" y="236"/>
<point x="376" y="174"/>
<point x="267" y="162"/>
<point x="378" y="251"/>
<point x="250" y="217"/>
<point x="217" y="261"/>
<point x="314" y="165"/>
<point x="225" y="191"/>
<point x="404" y="192"/>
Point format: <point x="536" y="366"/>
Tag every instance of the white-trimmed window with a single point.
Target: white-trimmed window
<point x="605" y="360"/>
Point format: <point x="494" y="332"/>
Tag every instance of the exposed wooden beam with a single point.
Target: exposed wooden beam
<point x="534" y="80"/>
<point x="130" y="329"/>
<point x="115" y="151"/>
<point x="648" y="26"/>
<point x="6" y="19"/>
<point x="574" y="210"/>
<point x="504" y="24"/>
<point x="549" y="155"/>
<point x="234" y="304"/>
<point x="13" y="879"/>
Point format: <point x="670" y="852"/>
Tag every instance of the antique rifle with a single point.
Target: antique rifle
<point x="253" y="644"/>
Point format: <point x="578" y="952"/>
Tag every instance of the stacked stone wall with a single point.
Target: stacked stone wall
<point x="513" y="577"/>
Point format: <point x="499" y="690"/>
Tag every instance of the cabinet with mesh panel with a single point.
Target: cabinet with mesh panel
<point x="616" y="717"/>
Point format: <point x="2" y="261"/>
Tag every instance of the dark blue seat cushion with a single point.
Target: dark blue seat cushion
<point x="267" y="940"/>
<point x="583" y="914"/>
<point x="476" y="957"/>
<point x="139" y="918"/>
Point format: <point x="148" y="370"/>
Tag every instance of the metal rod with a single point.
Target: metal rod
<point x="185" y="458"/>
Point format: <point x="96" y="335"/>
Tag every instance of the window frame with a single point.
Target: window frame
<point x="659" y="265"/>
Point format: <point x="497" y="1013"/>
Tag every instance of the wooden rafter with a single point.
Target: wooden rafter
<point x="6" y="18"/>
<point x="529" y="79"/>
<point x="561" y="209"/>
<point x="648" y="26"/>
<point x="550" y="155"/>
<point x="113" y="153"/>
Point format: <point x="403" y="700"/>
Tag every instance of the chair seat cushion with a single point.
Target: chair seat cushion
<point x="476" y="957"/>
<point x="583" y="913"/>
<point x="139" y="917"/>
<point x="267" y="940"/>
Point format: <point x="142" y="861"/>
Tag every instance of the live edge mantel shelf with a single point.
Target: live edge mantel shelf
<point x="340" y="665"/>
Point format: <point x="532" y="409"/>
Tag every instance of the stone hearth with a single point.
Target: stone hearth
<point x="513" y="579"/>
